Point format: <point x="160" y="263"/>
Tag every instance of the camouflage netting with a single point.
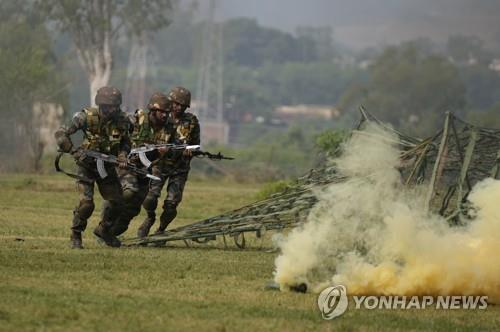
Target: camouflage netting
<point x="449" y="163"/>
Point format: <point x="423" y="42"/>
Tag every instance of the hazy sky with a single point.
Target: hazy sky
<point x="368" y="22"/>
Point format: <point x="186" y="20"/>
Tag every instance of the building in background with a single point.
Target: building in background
<point x="289" y="114"/>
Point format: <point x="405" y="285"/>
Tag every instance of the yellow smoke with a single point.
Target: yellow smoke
<point x="374" y="236"/>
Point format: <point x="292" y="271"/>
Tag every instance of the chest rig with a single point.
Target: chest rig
<point x="181" y="129"/>
<point x="144" y="133"/>
<point x="104" y="136"/>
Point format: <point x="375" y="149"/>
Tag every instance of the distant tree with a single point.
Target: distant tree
<point x="95" y="24"/>
<point x="249" y="44"/>
<point x="28" y="75"/>
<point x="482" y="85"/>
<point x="411" y="90"/>
<point x="323" y="39"/>
<point x="467" y="49"/>
<point x="245" y="94"/>
<point x="184" y="37"/>
<point x="425" y="46"/>
<point x="320" y="83"/>
<point x="329" y="142"/>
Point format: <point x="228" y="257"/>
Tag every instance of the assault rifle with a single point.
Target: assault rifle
<point x="101" y="158"/>
<point x="141" y="151"/>
<point x="196" y="150"/>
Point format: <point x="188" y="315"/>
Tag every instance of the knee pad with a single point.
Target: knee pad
<point x="150" y="203"/>
<point x="85" y="209"/>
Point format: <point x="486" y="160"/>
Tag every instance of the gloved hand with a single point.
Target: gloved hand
<point x="134" y="159"/>
<point x="122" y="161"/>
<point x="77" y="153"/>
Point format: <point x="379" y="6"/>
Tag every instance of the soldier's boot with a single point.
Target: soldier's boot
<point x="109" y="216"/>
<point x="145" y="227"/>
<point x="103" y="233"/>
<point x="80" y="215"/>
<point x="76" y="240"/>
<point x="119" y="228"/>
<point x="169" y="213"/>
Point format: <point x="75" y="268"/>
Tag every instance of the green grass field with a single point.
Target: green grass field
<point x="46" y="286"/>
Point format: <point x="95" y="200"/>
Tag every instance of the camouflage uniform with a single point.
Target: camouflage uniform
<point x="135" y="187"/>
<point x="108" y="135"/>
<point x="174" y="167"/>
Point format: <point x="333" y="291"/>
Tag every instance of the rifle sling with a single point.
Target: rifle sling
<point x="74" y="176"/>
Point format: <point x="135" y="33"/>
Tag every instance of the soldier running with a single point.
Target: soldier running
<point x="183" y="128"/>
<point x="148" y="128"/>
<point x="106" y="130"/>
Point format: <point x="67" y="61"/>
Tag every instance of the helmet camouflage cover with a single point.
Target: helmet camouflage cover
<point x="108" y="95"/>
<point x="180" y="95"/>
<point x="159" y="101"/>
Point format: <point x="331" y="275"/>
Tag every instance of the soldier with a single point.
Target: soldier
<point x="174" y="166"/>
<point x="105" y="129"/>
<point x="148" y="128"/>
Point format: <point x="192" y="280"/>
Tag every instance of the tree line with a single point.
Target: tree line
<point x="71" y="47"/>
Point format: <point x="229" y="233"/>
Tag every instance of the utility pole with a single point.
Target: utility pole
<point x="209" y="103"/>
<point x="135" y="86"/>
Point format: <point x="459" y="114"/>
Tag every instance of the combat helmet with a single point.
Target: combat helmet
<point x="108" y="95"/>
<point x="180" y="95"/>
<point x="159" y="101"/>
